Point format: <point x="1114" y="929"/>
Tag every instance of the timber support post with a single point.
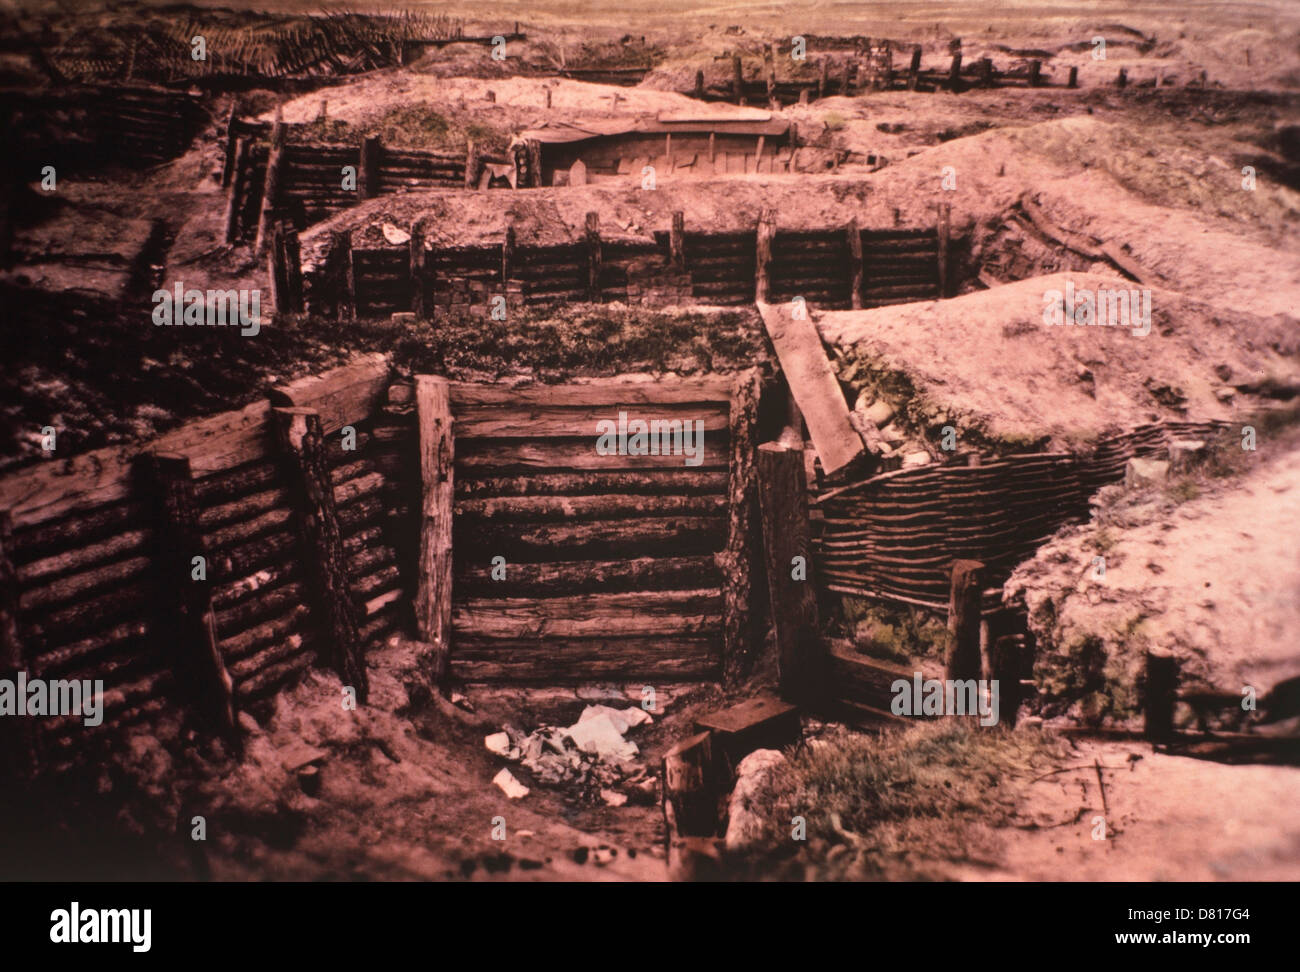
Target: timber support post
<point x="594" y="257"/>
<point x="963" y="656"/>
<point x="742" y="501"/>
<point x="853" y="237"/>
<point x="763" y="256"/>
<point x="434" y="569"/>
<point x="787" y="548"/>
<point x="271" y="185"/>
<point x="368" y="167"/>
<point x="421" y="303"/>
<point x="183" y="566"/>
<point x="302" y="446"/>
<point x="676" y="241"/>
<point x="944" y="230"/>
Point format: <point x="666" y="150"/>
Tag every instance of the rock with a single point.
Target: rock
<point x="745" y="827"/>
<point x="394" y="235"/>
<point x="914" y="459"/>
<point x="879" y="413"/>
<point x="1142" y="472"/>
<point x="892" y="433"/>
<point x="498" y="743"/>
<point x="601" y="737"/>
<point x="462" y="702"/>
<point x="613" y="798"/>
<point x="510" y="786"/>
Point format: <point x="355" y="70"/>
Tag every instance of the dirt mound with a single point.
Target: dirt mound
<point x="987" y="361"/>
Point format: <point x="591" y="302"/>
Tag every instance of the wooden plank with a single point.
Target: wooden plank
<point x="814" y="386"/>
<point x="299" y="432"/>
<point x="558" y="577"/>
<point x="433" y="615"/>
<point x="574" y="661"/>
<point x="558" y="454"/>
<point x="783" y="501"/>
<point x="588" y="507"/>
<point x="534" y="539"/>
<point x="368" y="167"/>
<point x="344" y="395"/>
<point x="271" y="185"/>
<point x="188" y="632"/>
<point x="595" y="257"/>
<point x="763" y="256"/>
<point x="596" y="615"/>
<point x="676" y="238"/>
<point x="742" y="499"/>
<point x="651" y="481"/>
<point x="623" y="390"/>
<point x="542" y="421"/>
<point x="854" y="238"/>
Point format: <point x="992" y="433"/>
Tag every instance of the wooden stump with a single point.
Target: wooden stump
<point x="691" y="789"/>
<point x="963" y="656"/>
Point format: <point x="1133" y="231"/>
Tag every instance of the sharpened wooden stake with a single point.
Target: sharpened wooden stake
<point x="437" y="464"/>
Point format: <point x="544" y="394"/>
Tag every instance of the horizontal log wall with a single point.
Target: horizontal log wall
<point x="895" y="537"/>
<point x="610" y="561"/>
<point x="718" y="268"/>
<point x="87" y="550"/>
<point x="312" y="186"/>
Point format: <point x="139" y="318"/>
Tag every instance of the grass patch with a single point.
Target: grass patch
<point x="903" y="803"/>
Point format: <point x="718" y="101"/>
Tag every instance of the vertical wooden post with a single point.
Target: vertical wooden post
<point x="943" y="230"/>
<point x="341" y="252"/>
<point x="420" y="302"/>
<point x="763" y="256"/>
<point x="189" y="633"/>
<point x="1121" y="80"/>
<point x="737" y="80"/>
<point x="535" y="160"/>
<point x="368" y="167"/>
<point x="1008" y="664"/>
<point x="783" y="501"/>
<point x="677" y="241"/>
<point x="275" y="269"/>
<point x="1035" y="73"/>
<point x="19" y="739"/>
<point x="713" y="148"/>
<point x="690" y="789"/>
<point x="1074" y="78"/>
<point x="954" y="73"/>
<point x="231" y="124"/>
<point x="234" y="202"/>
<point x="771" y="73"/>
<point x="291" y="259"/>
<point x="963" y="660"/>
<point x="472" y="159"/>
<point x="437" y="467"/>
<point x="271" y="186"/>
<point x="986" y="72"/>
<point x="914" y="71"/>
<point x="1161" y="682"/>
<point x="668" y="149"/>
<point x="507" y="254"/>
<point x="823" y="77"/>
<point x="302" y="447"/>
<point x="737" y="558"/>
<point x="594" y="257"/>
<point x="699" y="85"/>
<point x="854" y="237"/>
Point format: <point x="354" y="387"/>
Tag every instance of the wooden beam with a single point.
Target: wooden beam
<point x="963" y="655"/>
<point x="433" y="617"/>
<point x="625" y="390"/>
<point x="854" y="238"/>
<point x="368" y="167"/>
<point x="594" y="256"/>
<point x="676" y="241"/>
<point x="943" y="230"/>
<point x="421" y="302"/>
<point x="301" y="441"/>
<point x="783" y="501"/>
<point x="814" y="386"/>
<point x="763" y="255"/>
<point x="341" y="257"/>
<point x="737" y="80"/>
<point x="472" y="157"/>
<point x="188" y="633"/>
<point x="535" y="160"/>
<point x="738" y="555"/>
<point x="271" y="185"/>
<point x="590" y="615"/>
<point x="291" y="260"/>
<point x="234" y="202"/>
<point x="507" y="254"/>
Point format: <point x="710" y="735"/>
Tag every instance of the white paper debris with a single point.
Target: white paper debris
<point x="510" y="786"/>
